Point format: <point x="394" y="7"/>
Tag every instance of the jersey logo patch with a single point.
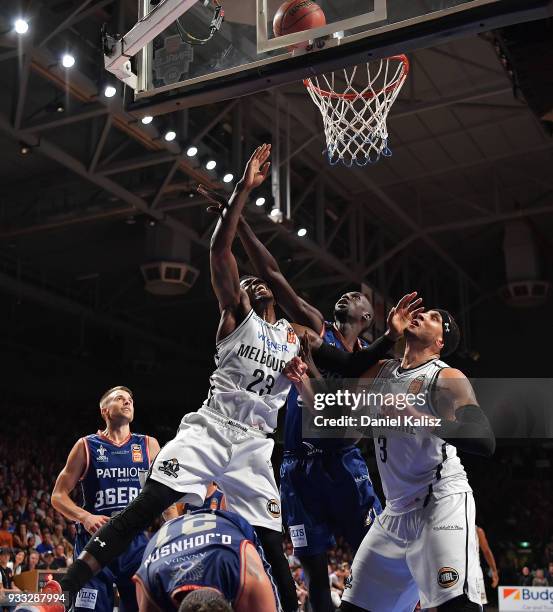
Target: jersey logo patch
<point x="291" y="336"/>
<point x="136" y="451"/>
<point x="298" y="535"/>
<point x="273" y="508"/>
<point x="102" y="454"/>
<point x="416" y="385"/>
<point x="448" y="577"/>
<point x="86" y="598"/>
<point x="170" y="467"/>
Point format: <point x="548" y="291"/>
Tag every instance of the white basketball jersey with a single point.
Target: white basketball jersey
<point x="414" y="465"/>
<point x="248" y="384"/>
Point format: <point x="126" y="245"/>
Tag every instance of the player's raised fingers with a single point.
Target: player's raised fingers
<point x="413" y="305"/>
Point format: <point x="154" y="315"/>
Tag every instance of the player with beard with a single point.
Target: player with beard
<point x="325" y="487"/>
<point x="226" y="439"/>
<point x="424" y="542"/>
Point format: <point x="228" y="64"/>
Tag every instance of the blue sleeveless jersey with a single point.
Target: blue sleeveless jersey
<point x="111" y="480"/>
<point x="202" y="549"/>
<point x="293" y="440"/>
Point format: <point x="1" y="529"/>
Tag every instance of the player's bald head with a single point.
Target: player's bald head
<point x="205" y="600"/>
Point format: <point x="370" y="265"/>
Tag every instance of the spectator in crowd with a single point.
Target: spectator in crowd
<point x="47" y="543"/>
<point x="33" y="562"/>
<point x="48" y="560"/>
<point x="20" y="536"/>
<point x="549" y="574"/>
<point x="19" y="562"/>
<point x="60" y="560"/>
<point x="71" y="533"/>
<point x="6" y="537"/>
<point x="540" y="579"/>
<point x="6" y="573"/>
<point x="525" y="578"/>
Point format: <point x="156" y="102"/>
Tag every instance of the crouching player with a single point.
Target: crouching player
<point x="205" y="560"/>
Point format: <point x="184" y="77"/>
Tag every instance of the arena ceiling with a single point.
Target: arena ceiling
<point x="76" y="210"/>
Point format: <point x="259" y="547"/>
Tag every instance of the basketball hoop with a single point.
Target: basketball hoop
<point x="355" y="105"/>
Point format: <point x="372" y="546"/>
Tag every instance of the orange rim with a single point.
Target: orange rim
<point x="367" y="96"/>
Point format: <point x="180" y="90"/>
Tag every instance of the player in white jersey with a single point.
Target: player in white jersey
<point x="423" y="545"/>
<point x="226" y="439"/>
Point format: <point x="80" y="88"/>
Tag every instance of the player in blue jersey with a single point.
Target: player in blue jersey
<point x="107" y="465"/>
<point x="325" y="485"/>
<point x="208" y="557"/>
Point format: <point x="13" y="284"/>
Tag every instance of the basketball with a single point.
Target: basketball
<point x="297" y="16"/>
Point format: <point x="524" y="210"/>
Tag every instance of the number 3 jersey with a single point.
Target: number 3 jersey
<point x="412" y="464"/>
<point x="248" y="384"/>
<point x="110" y="481"/>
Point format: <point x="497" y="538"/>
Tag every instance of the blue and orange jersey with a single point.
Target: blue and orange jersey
<point x="110" y="480"/>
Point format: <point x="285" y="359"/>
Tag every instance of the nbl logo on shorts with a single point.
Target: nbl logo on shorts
<point x="273" y="508"/>
<point x="170" y="467"/>
<point x="448" y="577"/>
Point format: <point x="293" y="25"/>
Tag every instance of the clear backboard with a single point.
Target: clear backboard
<point x="244" y="55"/>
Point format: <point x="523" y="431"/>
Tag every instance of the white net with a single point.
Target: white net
<point x="354" y="103"/>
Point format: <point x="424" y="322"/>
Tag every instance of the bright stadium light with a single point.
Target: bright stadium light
<point x="68" y="60"/>
<point x="211" y="164"/>
<point x="302" y="232"/>
<point x="191" y="151"/>
<point x="170" y="135"/>
<point x="21" y="26"/>
<point x="147" y="119"/>
<point x="110" y="91"/>
<point x="228" y="177"/>
<point x="260" y="201"/>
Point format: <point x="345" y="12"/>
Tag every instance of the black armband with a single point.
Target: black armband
<point x="470" y="432"/>
<point x="351" y="365"/>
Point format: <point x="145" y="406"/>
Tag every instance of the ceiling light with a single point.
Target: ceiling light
<point x="147" y="119"/>
<point x="260" y="201"/>
<point x="192" y="151"/>
<point x="211" y="164"/>
<point x="302" y="232"/>
<point x="228" y="177"/>
<point x="68" y="61"/>
<point x="110" y="91"/>
<point x="170" y="135"/>
<point x="21" y="26"/>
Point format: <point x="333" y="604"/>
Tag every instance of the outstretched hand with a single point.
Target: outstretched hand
<point x="257" y="167"/>
<point x="403" y="313"/>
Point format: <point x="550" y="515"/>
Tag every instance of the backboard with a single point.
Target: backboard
<point x="244" y="56"/>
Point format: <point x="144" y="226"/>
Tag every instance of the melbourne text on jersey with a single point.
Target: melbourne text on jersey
<point x="260" y="356"/>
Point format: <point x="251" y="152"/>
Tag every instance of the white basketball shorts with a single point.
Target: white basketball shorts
<point x="210" y="448"/>
<point x="427" y="554"/>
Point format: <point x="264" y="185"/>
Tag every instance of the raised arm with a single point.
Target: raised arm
<point x="225" y="279"/>
<point x="266" y="267"/>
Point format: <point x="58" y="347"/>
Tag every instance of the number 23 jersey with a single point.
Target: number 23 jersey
<point x="248" y="384"/>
